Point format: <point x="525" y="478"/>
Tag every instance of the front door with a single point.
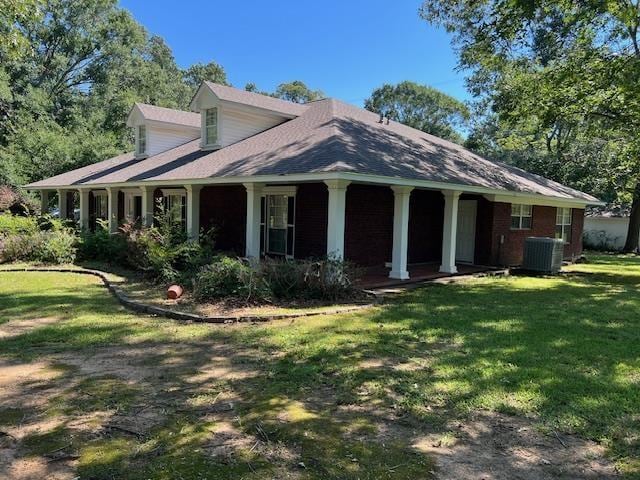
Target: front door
<point x="466" y="236"/>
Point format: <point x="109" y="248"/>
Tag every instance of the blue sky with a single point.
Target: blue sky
<point x="345" y="48"/>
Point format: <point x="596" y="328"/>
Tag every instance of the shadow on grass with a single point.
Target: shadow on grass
<point x="345" y="396"/>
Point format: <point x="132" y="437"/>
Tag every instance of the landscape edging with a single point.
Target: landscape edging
<point x="140" y="307"/>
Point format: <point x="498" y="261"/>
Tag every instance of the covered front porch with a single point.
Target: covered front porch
<point x="396" y="232"/>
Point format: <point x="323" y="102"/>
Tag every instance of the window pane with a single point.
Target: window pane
<point x="211" y="126"/>
<point x="278" y="211"/>
<point x="277" y="241"/>
<point x="526" y="210"/>
<point x="558" y="231"/>
<point x="526" y="222"/>
<point x="515" y="209"/>
<point x="567" y="216"/>
<point x="559" y="216"/>
<point x="515" y="222"/>
<point x="142" y="139"/>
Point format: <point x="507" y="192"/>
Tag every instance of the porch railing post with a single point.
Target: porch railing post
<point x="449" y="231"/>
<point x="112" y="208"/>
<point x="336" y="217"/>
<point x="84" y="208"/>
<point x="254" y="198"/>
<point x="193" y="211"/>
<point x="62" y="204"/>
<point x="401" y="197"/>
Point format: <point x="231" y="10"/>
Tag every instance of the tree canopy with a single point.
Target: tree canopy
<point x="69" y="74"/>
<point x="421" y="107"/>
<point x="560" y="80"/>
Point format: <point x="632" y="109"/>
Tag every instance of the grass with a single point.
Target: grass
<point x="314" y="393"/>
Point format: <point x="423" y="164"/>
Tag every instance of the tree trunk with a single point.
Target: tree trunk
<point x="633" y="234"/>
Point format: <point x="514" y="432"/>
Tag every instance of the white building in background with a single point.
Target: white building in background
<point x="606" y="229"/>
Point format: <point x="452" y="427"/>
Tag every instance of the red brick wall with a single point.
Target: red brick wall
<point x="510" y="251"/>
<point x="574" y="248"/>
<point x="312" y="203"/>
<point x="426" y="216"/>
<point x="225" y="209"/>
<point x="369" y="224"/>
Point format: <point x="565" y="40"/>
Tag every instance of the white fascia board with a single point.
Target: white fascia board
<point x="193" y="103"/>
<point x="497" y="195"/>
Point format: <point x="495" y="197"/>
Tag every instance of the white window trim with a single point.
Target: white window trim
<point x="130" y="203"/>
<point x="173" y="191"/>
<point x="560" y="211"/>
<point x="99" y="194"/>
<point x="521" y="216"/>
<point x="203" y="133"/>
<point x="287" y="191"/>
<point x="140" y="153"/>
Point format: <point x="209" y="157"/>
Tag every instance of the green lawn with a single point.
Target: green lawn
<point x="323" y="397"/>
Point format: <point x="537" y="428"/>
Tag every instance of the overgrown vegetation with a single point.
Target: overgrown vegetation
<point x="40" y="240"/>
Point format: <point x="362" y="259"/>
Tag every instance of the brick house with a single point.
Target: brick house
<point x="284" y="179"/>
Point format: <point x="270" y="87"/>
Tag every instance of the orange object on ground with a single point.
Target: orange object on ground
<point x="174" y="292"/>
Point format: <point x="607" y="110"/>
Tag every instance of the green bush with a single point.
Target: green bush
<point x="14" y="224"/>
<point x="102" y="246"/>
<point x="55" y="247"/>
<point x="163" y="252"/>
<point x="229" y="277"/>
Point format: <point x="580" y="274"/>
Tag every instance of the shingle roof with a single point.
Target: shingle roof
<point x="169" y="115"/>
<point x="331" y="136"/>
<point x="235" y="95"/>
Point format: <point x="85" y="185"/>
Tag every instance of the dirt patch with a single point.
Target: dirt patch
<point x="16" y="328"/>
<point x="499" y="447"/>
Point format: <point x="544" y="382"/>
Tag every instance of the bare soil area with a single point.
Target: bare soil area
<point x="50" y="407"/>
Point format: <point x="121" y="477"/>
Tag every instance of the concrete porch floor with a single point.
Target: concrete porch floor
<point x="378" y="277"/>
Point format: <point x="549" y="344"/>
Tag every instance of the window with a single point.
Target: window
<point x="142" y="139"/>
<point x="176" y="205"/>
<point x="132" y="206"/>
<point x="563" y="224"/>
<point x="211" y="126"/>
<point x="278" y="224"/>
<point x="100" y="206"/>
<point x="521" y="216"/>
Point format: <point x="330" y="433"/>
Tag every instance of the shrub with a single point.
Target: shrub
<point x="101" y="245"/>
<point x="163" y="251"/>
<point x="55" y="247"/>
<point x="13" y="224"/>
<point x="229" y="277"/>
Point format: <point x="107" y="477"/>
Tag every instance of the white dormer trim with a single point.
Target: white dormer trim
<point x="141" y="150"/>
<point x="203" y="123"/>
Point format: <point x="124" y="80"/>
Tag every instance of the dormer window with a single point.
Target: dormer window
<point x="211" y="126"/>
<point x="142" y="140"/>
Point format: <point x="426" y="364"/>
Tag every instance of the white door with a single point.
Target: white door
<point x="466" y="236"/>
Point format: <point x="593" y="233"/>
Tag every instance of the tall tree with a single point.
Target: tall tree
<point x="421" y="107"/>
<point x="298" y="92"/>
<point x="199" y="72"/>
<point x="64" y="100"/>
<point x="563" y="71"/>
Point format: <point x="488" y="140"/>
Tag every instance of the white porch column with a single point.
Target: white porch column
<point x="449" y="231"/>
<point x="336" y="217"/>
<point x="193" y="211"/>
<point x="112" y="202"/>
<point x="84" y="208"/>
<point x="62" y="204"/>
<point x="254" y="195"/>
<point x="401" y="197"/>
<point x="44" y="201"/>
<point x="147" y="205"/>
